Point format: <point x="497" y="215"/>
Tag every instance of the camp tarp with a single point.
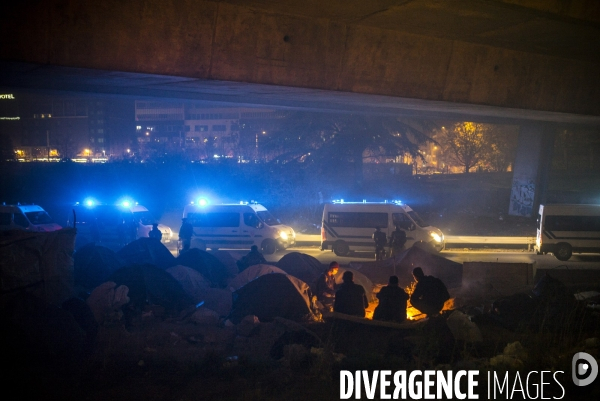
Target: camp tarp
<point x="301" y="266"/>
<point x="250" y="274"/>
<point x="147" y="250"/>
<point x="206" y="264"/>
<point x="93" y="265"/>
<point x="272" y="295"/>
<point x="148" y="283"/>
<point x="403" y="264"/>
<point x="199" y="289"/>
<point x="359" y="278"/>
<point x="228" y="261"/>
<point x="40" y="262"/>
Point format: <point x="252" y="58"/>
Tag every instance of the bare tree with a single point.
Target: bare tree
<point x="465" y="143"/>
<point x="329" y="139"/>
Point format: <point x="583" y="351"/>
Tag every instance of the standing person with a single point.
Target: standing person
<point x="185" y="234"/>
<point x="397" y="241"/>
<point x="95" y="230"/>
<point x="254" y="257"/>
<point x="350" y="298"/>
<point x="155" y="232"/>
<point x="380" y="239"/>
<point x="392" y="302"/>
<point x="122" y="233"/>
<point x="325" y="287"/>
<point x="429" y="295"/>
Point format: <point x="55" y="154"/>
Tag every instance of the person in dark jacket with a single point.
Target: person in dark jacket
<point x="350" y="298"/>
<point x="325" y="287"/>
<point x="380" y="239"/>
<point x="155" y="232"/>
<point x="254" y="257"/>
<point x="397" y="241"/>
<point x="429" y="295"/>
<point x="185" y="234"/>
<point x="392" y="302"/>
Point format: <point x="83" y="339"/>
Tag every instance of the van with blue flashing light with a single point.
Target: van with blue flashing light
<point x="349" y="226"/>
<point x="237" y="226"/>
<point x="109" y="225"/>
<point x="26" y="217"/>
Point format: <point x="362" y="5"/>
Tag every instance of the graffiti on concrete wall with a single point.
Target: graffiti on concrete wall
<point x="521" y="197"/>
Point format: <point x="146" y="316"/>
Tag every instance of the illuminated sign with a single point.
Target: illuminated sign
<point x="7" y="96"/>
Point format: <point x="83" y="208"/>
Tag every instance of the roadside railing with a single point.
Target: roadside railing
<point x="458" y="240"/>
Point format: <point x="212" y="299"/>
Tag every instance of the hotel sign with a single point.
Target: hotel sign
<point x="7" y="96"/>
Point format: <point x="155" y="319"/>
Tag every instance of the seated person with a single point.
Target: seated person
<point x="392" y="302"/>
<point x="325" y="286"/>
<point x="350" y="298"/>
<point x="254" y="257"/>
<point x="429" y="295"/>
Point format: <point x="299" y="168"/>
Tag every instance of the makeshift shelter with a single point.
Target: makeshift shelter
<point x="359" y="278"/>
<point x="272" y="295"/>
<point x="147" y="250"/>
<point x="38" y="262"/>
<point x="228" y="261"/>
<point x="199" y="289"/>
<point x="250" y="274"/>
<point x="93" y="264"/>
<point x="301" y="266"/>
<point x="150" y="284"/>
<point x="403" y="264"/>
<point x="206" y="264"/>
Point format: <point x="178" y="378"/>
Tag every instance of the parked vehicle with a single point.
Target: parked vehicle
<point x="145" y="219"/>
<point x="349" y="226"/>
<point x="568" y="228"/>
<point x="237" y="226"/>
<point x="112" y="226"/>
<point x="26" y="217"/>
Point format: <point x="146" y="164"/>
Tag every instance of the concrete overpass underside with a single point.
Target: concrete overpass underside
<point x="514" y="61"/>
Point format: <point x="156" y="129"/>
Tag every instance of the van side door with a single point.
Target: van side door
<point x="251" y="229"/>
<point x="21" y="221"/>
<point x="405" y="223"/>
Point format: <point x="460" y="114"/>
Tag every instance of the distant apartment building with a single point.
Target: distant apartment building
<point x="53" y="127"/>
<point x="201" y="133"/>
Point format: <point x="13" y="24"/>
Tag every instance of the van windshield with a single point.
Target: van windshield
<point x="417" y="219"/>
<point x="267" y="218"/>
<point x="39" y="218"/>
<point x="145" y="217"/>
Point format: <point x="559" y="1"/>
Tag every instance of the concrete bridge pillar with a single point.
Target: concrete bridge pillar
<point x="531" y="169"/>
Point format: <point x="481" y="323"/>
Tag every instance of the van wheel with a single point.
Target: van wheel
<point x="340" y="248"/>
<point x="563" y="251"/>
<point x="269" y="246"/>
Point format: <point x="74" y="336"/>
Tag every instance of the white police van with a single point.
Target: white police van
<point x="349" y="226"/>
<point x="237" y="226"/>
<point x="145" y="219"/>
<point x="564" y="229"/>
<point x="26" y="217"/>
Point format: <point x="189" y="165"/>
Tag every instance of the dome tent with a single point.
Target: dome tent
<point x="270" y="296"/>
<point x="147" y="250"/>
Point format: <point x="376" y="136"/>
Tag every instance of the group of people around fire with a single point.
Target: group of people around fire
<point x="428" y="296"/>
